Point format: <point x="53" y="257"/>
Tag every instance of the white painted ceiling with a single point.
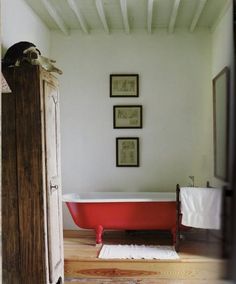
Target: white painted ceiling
<point x="129" y="15"/>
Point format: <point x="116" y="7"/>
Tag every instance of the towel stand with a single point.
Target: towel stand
<point x="227" y="209"/>
<point x="178" y="215"/>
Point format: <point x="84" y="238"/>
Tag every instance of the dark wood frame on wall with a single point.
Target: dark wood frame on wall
<point x="118" y="153"/>
<point x="129" y="119"/>
<point x="221" y="94"/>
<point x="123" y="90"/>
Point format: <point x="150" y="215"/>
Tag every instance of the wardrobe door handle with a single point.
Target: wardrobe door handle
<point x="53" y="187"/>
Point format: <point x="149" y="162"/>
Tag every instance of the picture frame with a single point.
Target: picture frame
<point x="220" y="85"/>
<point x="124" y="85"/>
<point x="127" y="116"/>
<point x="127" y="152"/>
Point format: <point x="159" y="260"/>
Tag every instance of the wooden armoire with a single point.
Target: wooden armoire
<point x="32" y="236"/>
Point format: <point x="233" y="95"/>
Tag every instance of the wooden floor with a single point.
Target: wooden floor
<point x="199" y="261"/>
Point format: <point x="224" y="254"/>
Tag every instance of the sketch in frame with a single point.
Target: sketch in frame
<point x="124" y="85"/>
<point x="127" y="152"/>
<point x="127" y="116"/>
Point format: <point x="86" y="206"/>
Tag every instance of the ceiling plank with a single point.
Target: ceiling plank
<point x="102" y="16"/>
<point x="149" y="16"/>
<point x="173" y="16"/>
<point x="124" y="12"/>
<point x="56" y="17"/>
<point x="200" y="7"/>
<point x="79" y="16"/>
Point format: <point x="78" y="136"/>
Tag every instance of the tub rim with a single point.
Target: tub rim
<point x="109" y="197"/>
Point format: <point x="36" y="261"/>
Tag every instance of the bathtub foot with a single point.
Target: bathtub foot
<point x="99" y="231"/>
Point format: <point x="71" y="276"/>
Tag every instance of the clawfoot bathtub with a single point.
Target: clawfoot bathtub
<point x="123" y="211"/>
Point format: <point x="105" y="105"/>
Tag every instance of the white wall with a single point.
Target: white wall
<point x="222" y="43"/>
<point x="20" y="23"/>
<point x="175" y="92"/>
<point x="223" y="55"/>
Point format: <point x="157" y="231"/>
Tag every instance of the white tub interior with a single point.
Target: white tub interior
<point x="95" y="197"/>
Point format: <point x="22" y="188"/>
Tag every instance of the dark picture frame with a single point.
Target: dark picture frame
<point x="124" y="85"/>
<point x="127" y="116"/>
<point x="127" y="152"/>
<point x="221" y="123"/>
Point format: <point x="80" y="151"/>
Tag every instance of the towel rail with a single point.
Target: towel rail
<point x="227" y="209"/>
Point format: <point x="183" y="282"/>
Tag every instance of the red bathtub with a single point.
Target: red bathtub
<point x="123" y="211"/>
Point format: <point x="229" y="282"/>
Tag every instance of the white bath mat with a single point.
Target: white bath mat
<point x="137" y="252"/>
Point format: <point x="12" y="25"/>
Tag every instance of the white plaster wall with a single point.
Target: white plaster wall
<point x="20" y="23"/>
<point x="175" y="92"/>
<point x="222" y="43"/>
<point x="223" y="55"/>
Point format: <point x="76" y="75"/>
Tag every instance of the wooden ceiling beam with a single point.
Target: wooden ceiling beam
<point x="79" y="15"/>
<point x="149" y="16"/>
<point x="101" y="13"/>
<point x="173" y="16"/>
<point x="199" y="10"/>
<point x="124" y="12"/>
<point x="56" y="17"/>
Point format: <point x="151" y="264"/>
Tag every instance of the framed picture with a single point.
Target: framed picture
<point x="221" y="123"/>
<point x="127" y="116"/>
<point x="124" y="85"/>
<point x="127" y="152"/>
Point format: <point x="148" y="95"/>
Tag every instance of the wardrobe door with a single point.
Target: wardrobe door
<point x="53" y="180"/>
<point x="10" y="223"/>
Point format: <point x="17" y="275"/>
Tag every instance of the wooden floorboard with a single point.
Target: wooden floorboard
<point x="199" y="260"/>
<point x="142" y="281"/>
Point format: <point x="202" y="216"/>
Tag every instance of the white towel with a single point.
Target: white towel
<point x="201" y="207"/>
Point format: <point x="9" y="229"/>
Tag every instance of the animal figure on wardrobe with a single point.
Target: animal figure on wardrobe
<point x="26" y="52"/>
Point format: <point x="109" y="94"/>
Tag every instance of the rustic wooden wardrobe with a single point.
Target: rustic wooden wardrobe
<point x="32" y="237"/>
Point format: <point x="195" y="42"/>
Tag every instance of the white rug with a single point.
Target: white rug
<point x="137" y="252"/>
